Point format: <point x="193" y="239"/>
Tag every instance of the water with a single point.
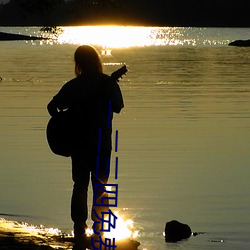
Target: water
<point x="184" y="135"/>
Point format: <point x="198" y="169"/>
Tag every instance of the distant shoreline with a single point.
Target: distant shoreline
<point x="16" y="37"/>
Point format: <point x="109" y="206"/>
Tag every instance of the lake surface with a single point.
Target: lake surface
<point x="184" y="134"/>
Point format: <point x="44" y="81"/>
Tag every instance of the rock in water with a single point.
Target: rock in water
<point x="176" y="231"/>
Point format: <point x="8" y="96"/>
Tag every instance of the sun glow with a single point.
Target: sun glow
<point x="124" y="229"/>
<point x="107" y="36"/>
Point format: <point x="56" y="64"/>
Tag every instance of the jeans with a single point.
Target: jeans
<point x="84" y="167"/>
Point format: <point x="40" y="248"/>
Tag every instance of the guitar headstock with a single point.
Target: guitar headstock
<point x="119" y="73"/>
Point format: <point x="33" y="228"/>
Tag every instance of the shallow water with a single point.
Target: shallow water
<point x="184" y="139"/>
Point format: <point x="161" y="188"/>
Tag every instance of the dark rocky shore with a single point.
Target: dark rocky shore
<point x="17" y="236"/>
<point x="240" y="43"/>
<point x="19" y="241"/>
<point x="15" y="37"/>
<point x="10" y="240"/>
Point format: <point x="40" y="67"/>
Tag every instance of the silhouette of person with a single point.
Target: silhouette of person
<point x="88" y="98"/>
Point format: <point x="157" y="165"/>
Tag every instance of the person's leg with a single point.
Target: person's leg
<point x="79" y="207"/>
<point x="100" y="177"/>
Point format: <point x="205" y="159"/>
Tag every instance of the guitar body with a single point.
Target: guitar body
<point x="59" y="133"/>
<point x="60" y="129"/>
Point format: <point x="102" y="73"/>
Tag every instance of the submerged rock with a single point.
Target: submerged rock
<point x="176" y="231"/>
<point x="240" y="43"/>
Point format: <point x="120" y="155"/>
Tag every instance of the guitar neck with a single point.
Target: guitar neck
<point x="119" y="73"/>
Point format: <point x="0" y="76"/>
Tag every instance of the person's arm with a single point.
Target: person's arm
<point x="61" y="100"/>
<point x="52" y="108"/>
<point x="116" y="98"/>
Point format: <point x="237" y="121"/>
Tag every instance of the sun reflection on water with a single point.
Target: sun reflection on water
<point x="110" y="37"/>
<point x="107" y="36"/>
<point x="124" y="229"/>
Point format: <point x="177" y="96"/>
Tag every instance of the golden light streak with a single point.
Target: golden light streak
<point x="107" y="36"/>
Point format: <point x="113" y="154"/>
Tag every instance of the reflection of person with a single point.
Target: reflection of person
<point x="88" y="97"/>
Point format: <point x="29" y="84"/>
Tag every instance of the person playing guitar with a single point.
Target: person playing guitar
<point x="81" y="127"/>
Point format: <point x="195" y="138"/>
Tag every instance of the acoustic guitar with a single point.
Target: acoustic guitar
<point x="59" y="127"/>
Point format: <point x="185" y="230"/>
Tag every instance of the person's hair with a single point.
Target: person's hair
<point x="87" y="60"/>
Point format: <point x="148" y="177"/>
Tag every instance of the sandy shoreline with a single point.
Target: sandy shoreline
<point x="12" y="241"/>
<point x="9" y="241"/>
<point x="17" y="235"/>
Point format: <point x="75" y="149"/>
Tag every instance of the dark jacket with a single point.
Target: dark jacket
<point x="91" y="100"/>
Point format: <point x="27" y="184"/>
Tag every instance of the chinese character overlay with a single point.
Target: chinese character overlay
<point x="103" y="188"/>
<point x="107" y="244"/>
<point x="107" y="221"/>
